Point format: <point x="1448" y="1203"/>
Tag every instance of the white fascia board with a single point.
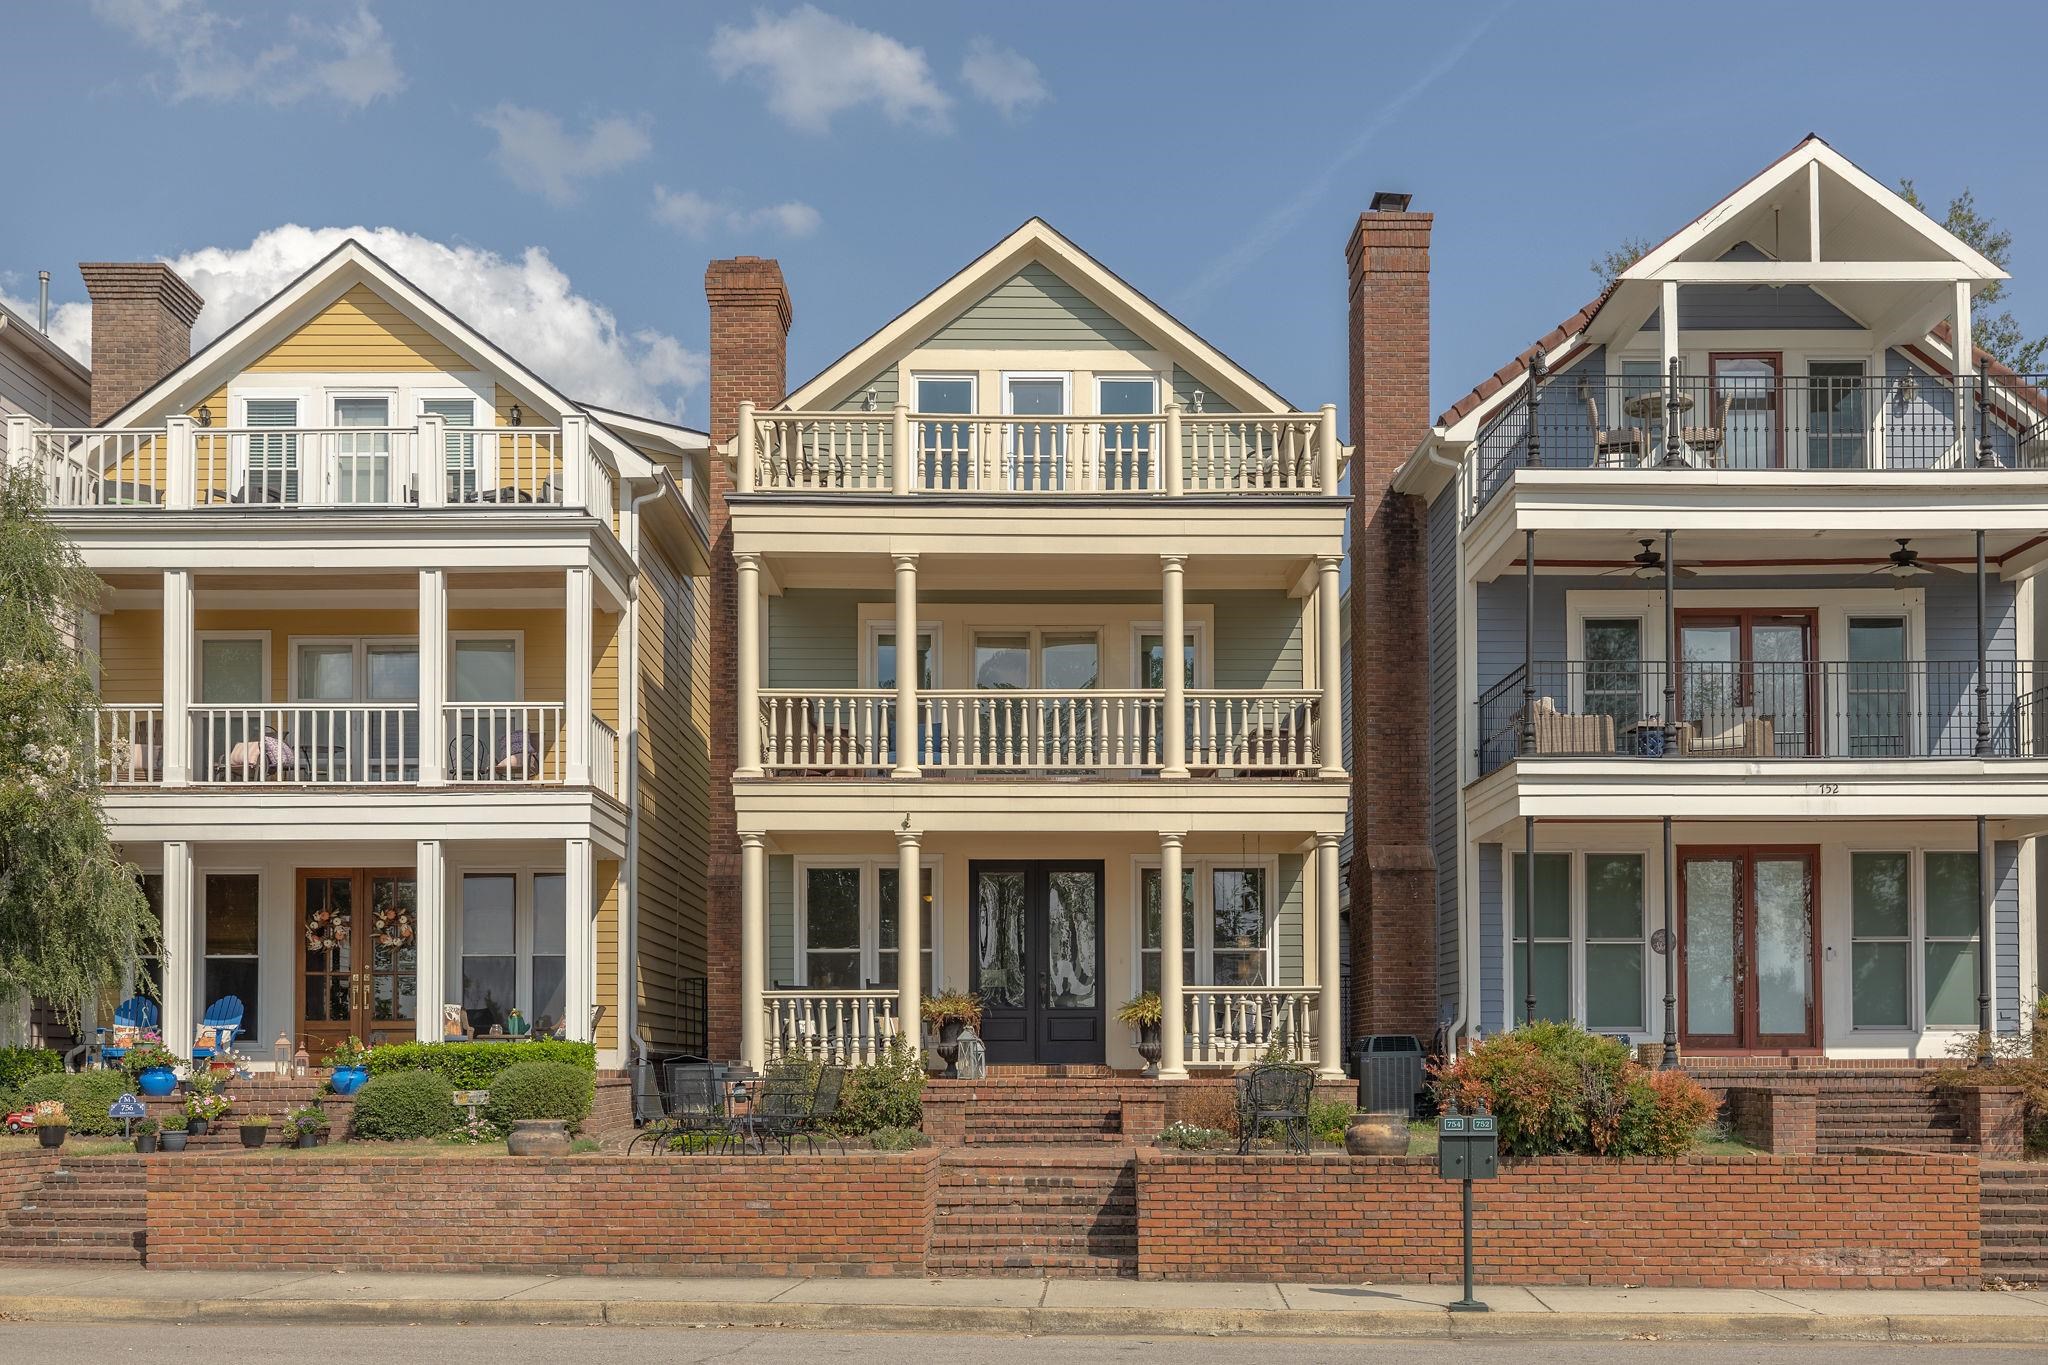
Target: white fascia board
<point x="792" y="805"/>
<point x="1778" y="273"/>
<point x="1798" y="502"/>
<point x="284" y="813"/>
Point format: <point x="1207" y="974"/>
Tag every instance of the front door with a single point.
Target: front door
<point x="1037" y="960"/>
<point x="1748" y="974"/>
<point x="358" y="945"/>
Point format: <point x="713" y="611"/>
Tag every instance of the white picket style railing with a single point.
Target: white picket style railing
<point x="320" y="743"/>
<point x="1038" y="730"/>
<point x="1236" y="1025"/>
<point x="1253" y="731"/>
<point x="129" y="744"/>
<point x="506" y="742"/>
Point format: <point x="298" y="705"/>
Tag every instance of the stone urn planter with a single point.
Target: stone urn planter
<point x="1376" y="1135"/>
<point x="538" y="1137"/>
<point x="1149" y="1046"/>
<point x="52" y="1134"/>
<point x="949" y="1046"/>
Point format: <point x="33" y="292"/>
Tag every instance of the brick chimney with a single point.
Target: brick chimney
<point x="1392" y="873"/>
<point x="749" y="361"/>
<point x="142" y="316"/>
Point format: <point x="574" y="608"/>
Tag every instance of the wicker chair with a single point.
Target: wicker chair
<point x="1565" y="732"/>
<point x="1730" y="732"/>
<point x="1613" y="447"/>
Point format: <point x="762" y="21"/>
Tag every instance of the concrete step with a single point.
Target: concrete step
<point x="1051" y="1264"/>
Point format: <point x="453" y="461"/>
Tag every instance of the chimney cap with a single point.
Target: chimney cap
<point x="1390" y="201"/>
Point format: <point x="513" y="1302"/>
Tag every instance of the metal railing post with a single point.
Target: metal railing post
<point x="1538" y="372"/>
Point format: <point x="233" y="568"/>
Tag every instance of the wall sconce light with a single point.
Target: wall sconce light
<point x="515" y="416"/>
<point x="203" y="415"/>
<point x="867" y="404"/>
<point x="1198" y="400"/>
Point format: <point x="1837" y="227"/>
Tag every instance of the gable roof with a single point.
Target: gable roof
<point x="1038" y="241"/>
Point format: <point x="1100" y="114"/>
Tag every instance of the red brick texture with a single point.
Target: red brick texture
<point x="22" y="1171"/>
<point x="1894" y="1222"/>
<point x="1994" y="1117"/>
<point x="750" y="318"/>
<point x="861" y="1214"/>
<point x="1783" y="1120"/>
<point x="1392" y="875"/>
<point x="142" y="316"/>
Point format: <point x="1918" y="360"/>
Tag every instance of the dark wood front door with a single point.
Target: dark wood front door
<point x="1037" y="960"/>
<point x="359" y="956"/>
<point x="1749" y="975"/>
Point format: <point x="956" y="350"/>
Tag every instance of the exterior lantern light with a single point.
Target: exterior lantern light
<point x="203" y="415"/>
<point x="515" y="416"/>
<point x="281" y="1055"/>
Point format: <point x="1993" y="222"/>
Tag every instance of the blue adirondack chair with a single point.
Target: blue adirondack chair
<point x="224" y="1019"/>
<point x="135" y="1012"/>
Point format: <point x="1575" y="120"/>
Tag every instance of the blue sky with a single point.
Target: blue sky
<point x="1212" y="154"/>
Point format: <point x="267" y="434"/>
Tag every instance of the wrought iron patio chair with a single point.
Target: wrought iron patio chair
<point x="692" y="1109"/>
<point x="783" y="1102"/>
<point x="1274" y="1095"/>
<point x="824" y="1107"/>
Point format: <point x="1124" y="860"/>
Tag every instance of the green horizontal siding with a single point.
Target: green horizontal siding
<point x="1287" y="928"/>
<point x="1258" y="639"/>
<point x="1035" y="309"/>
<point x="781" y="919"/>
<point x="814" y="639"/>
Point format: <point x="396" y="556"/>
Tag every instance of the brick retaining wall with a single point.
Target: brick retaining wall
<point x="1783" y="1119"/>
<point x="1809" y="1223"/>
<point x="861" y="1214"/>
<point x="21" y="1171"/>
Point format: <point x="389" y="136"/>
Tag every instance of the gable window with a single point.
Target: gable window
<point x="458" y="444"/>
<point x="1124" y="460"/>
<point x="946" y="449"/>
<point x="270" y="459"/>
<point x="1893" y="939"/>
<point x="362" y="450"/>
<point x="847" y="925"/>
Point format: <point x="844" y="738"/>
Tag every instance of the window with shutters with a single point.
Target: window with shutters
<point x="458" y="445"/>
<point x="270" y="460"/>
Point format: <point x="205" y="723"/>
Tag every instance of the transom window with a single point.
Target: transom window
<point x="847" y="922"/>
<point x="1227" y="916"/>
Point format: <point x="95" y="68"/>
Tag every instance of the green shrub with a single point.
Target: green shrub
<point x="86" y="1096"/>
<point x="1190" y="1137"/>
<point x="1327" y="1119"/>
<point x="895" y="1139"/>
<point x="400" y="1105"/>
<point x="541" y="1090"/>
<point x="18" y="1064"/>
<point x="472" y="1066"/>
<point x="886" y="1093"/>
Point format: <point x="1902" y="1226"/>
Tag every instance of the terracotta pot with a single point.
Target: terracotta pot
<point x="1650" y="1054"/>
<point x="538" y="1137"/>
<point x="1376" y="1135"/>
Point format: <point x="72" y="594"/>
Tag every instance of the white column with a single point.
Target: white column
<point x="430" y="461"/>
<point x="1173" y="719"/>
<point x="1170" y="457"/>
<point x="753" y="948"/>
<point x="743" y="456"/>
<point x="576" y="478"/>
<point x="906" y="668"/>
<point x="1330" y="666"/>
<point x="178" y="672"/>
<point x="20" y="441"/>
<point x="430" y="934"/>
<point x="1327" y="447"/>
<point x="181" y="471"/>
<point x="181" y="949"/>
<point x="1965" y="351"/>
<point x="747" y="705"/>
<point x="433" y="672"/>
<point x="1173" y="1048"/>
<point x="903" y="462"/>
<point x="578" y="965"/>
<point x="1330" y="981"/>
<point x="909" y="932"/>
<point x="577" y="609"/>
<point x="1667" y="325"/>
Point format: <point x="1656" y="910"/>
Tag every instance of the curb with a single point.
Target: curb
<point x="1410" y="1324"/>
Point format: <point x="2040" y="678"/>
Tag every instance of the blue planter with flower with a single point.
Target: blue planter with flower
<point x="156" y="1081"/>
<point x="349" y="1079"/>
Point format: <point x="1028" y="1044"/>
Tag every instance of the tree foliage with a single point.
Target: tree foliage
<point x="71" y="913"/>
<point x="1999" y="332"/>
<point x="1609" y="265"/>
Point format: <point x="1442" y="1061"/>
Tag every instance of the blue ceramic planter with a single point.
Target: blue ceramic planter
<point x="349" y="1079"/>
<point x="157" y="1081"/>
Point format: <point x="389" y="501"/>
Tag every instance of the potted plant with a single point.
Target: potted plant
<point x="255" y="1129"/>
<point x="145" y="1136"/>
<point x="1143" y="1013"/>
<point x="174" y="1133"/>
<point x="306" y="1127"/>
<point x="949" y="1012"/>
<point x="351" y="1063"/>
<point x="206" y="1109"/>
<point x="52" y="1122"/>
<point x="152" y="1065"/>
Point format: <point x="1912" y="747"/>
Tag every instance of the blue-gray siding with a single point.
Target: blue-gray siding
<point x="1742" y="307"/>
<point x="1491" y="1016"/>
<point x="1442" y="549"/>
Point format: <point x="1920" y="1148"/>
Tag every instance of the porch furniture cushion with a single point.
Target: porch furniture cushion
<point x="131" y="1018"/>
<point x="455" y="1025"/>
<point x="1731" y="733"/>
<point x="1564" y="732"/>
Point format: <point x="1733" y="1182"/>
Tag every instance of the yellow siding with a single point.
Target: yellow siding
<point x="604" y="677"/>
<point x="283" y="626"/>
<point x="606" y="898"/>
<point x="132" y="657"/>
<point x="361" y="331"/>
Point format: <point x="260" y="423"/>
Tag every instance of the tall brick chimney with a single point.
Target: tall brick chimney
<point x="142" y="316"/>
<point x="749" y="361"/>
<point x="1392" y="874"/>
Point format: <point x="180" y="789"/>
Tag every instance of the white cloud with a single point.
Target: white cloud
<point x="1004" y="77"/>
<point x="817" y="66"/>
<point x="537" y="153"/>
<point x="526" y="305"/>
<point x="340" y="54"/>
<point x="697" y="214"/>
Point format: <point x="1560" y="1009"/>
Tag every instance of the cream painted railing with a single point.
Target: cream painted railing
<point x="305" y="742"/>
<point x="304" y="466"/>
<point x="129" y="741"/>
<point x="1038" y="730"/>
<point x="604" y="758"/>
<point x="507" y="742"/>
<point x="839" y="731"/>
<point x="853" y="1027"/>
<point x="1253" y="731"/>
<point x="1235" y="1025"/>
<point x="1171" y="453"/>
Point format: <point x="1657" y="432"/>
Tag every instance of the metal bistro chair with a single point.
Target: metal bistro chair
<point x="781" y="1112"/>
<point x="1270" y="1095"/>
<point x="824" y="1108"/>
<point x="691" y="1102"/>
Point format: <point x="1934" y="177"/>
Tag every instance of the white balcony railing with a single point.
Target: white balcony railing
<point x="129" y="744"/>
<point x="1039" y="730"/>
<point x="853" y="1027"/>
<point x="1236" y="1025"/>
<point x="1253" y="731"/>
<point x="817" y="732"/>
<point x="604" y="758"/>
<point x="305" y="742"/>
<point x="507" y="742"/>
<point x="1172" y="453"/>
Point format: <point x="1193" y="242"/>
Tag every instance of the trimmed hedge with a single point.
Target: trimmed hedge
<point x="542" y="1090"/>
<point x="18" y="1064"/>
<point x="87" y="1096"/>
<point x="471" y="1066"/>
<point x="402" y="1105"/>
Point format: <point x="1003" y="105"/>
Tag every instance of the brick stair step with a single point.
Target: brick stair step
<point x="39" y="1216"/>
<point x="1052" y="1266"/>
<point x="85" y="1236"/>
<point x="129" y="1255"/>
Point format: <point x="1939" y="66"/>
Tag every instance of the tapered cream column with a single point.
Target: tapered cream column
<point x="180" y="944"/>
<point x="753" y="948"/>
<point x="578" y="967"/>
<point x="433" y="666"/>
<point x="177" y="682"/>
<point x="1330" y="1001"/>
<point x="578" y="632"/>
<point x="907" y="728"/>
<point x="1330" y="666"/>
<point x="747" y="704"/>
<point x="1173" y="723"/>
<point x="909" y="931"/>
<point x="430" y="935"/>
<point x="1173" y="1048"/>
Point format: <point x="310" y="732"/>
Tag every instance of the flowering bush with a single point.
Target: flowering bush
<point x="1556" y="1088"/>
<point x="211" y="1106"/>
<point x="474" y="1132"/>
<point x="1189" y="1137"/>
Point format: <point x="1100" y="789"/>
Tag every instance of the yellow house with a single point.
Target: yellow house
<point x="403" y="694"/>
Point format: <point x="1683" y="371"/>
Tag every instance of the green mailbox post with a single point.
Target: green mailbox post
<point x="1467" y="1149"/>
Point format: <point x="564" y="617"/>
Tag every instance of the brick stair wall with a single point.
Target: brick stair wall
<point x="86" y="1209"/>
<point x="2014" y="1213"/>
<point x="1868" y="1106"/>
<point x="1027" y="1211"/>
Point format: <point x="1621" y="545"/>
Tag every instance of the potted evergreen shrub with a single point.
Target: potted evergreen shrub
<point x="52" y="1123"/>
<point x="174" y="1133"/>
<point x="145" y="1136"/>
<point x="306" y="1127"/>
<point x="949" y="1012"/>
<point x="1143" y="1012"/>
<point x="255" y="1129"/>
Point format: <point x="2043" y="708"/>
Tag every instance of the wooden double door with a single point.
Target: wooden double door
<point x="1749" y="969"/>
<point x="1037" y="960"/>
<point x="358" y="954"/>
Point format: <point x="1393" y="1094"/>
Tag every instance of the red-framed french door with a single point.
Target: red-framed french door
<point x="1739" y="662"/>
<point x="1748" y="948"/>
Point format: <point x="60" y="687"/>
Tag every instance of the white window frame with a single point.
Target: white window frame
<point x="238" y="446"/>
<point x="877" y="627"/>
<point x="518" y="639"/>
<point x="523" y="899"/>
<point x="360" y="685"/>
<point x="330" y="475"/>
<point x="1205" y="662"/>
<point x="968" y="377"/>
<point x="1035" y="680"/>
<point x="1065" y="379"/>
<point x="1575" y="902"/>
<point x="870" y="869"/>
<point x="197" y="682"/>
<point x="1204" y="866"/>
<point x="1916" y="1026"/>
<point x="1153" y="377"/>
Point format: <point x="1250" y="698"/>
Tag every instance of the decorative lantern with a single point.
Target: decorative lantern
<point x="300" y="1063"/>
<point x="281" y="1055"/>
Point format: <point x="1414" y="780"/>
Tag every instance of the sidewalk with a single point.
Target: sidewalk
<point x="1023" y="1306"/>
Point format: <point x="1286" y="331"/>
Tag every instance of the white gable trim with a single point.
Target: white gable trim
<point x="1039" y="241"/>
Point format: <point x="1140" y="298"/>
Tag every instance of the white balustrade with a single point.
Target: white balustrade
<point x="1253" y="731"/>
<point x="816" y="732"/>
<point x="816" y="452"/>
<point x="87" y="467"/>
<point x="1238" y="1025"/>
<point x="1242" y="453"/>
<point x="304" y="466"/>
<point x="305" y="743"/>
<point x="509" y="742"/>
<point x="1038" y="730"/>
<point x="850" y="1027"/>
<point x="604" y="757"/>
<point x="128" y="742"/>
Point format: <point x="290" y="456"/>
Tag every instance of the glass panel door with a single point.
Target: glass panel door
<point x="1709" y="674"/>
<point x="1070" y="665"/>
<point x="1784" y="949"/>
<point x="391" y="950"/>
<point x="328" y="993"/>
<point x="885" y="679"/>
<point x="1781" y="682"/>
<point x="230" y="675"/>
<point x="1126" y="456"/>
<point x="946" y="455"/>
<point x="1746" y="933"/>
<point x="1036" y="458"/>
<point x="1748" y="687"/>
<point x="321" y="737"/>
<point x="1037" y="960"/>
<point x="1002" y="965"/>
<point x="362" y="458"/>
<point x="1745" y="389"/>
<point x="458" y="448"/>
<point x="1002" y="663"/>
<point x="1711" y="951"/>
<point x="1614" y="672"/>
<point x="391" y="739"/>
<point x="1069" y="903"/>
<point x="359" y="936"/>
<point x="1876" y="699"/>
<point x="1837" y="430"/>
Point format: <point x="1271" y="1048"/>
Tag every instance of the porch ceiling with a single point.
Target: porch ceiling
<point x="999" y="571"/>
<point x="1751" y="552"/>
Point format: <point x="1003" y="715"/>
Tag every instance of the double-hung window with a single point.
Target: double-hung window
<point x="1903" y="927"/>
<point x="1590" y="948"/>
<point x="1227" y="917"/>
<point x="514" y="949"/>
<point x="847" y="926"/>
<point x="1614" y="673"/>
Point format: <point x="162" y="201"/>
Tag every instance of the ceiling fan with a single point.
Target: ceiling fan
<point x="1648" y="564"/>
<point x="1905" y="562"/>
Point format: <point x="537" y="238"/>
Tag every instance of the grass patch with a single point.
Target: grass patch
<point x="1714" y="1140"/>
<point x="77" y="1146"/>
